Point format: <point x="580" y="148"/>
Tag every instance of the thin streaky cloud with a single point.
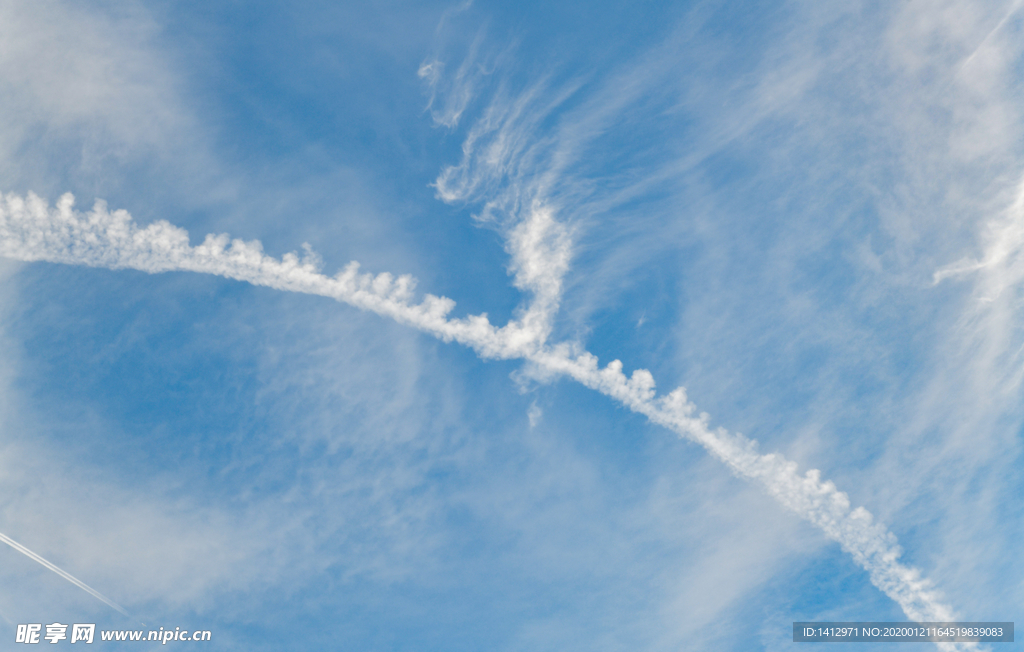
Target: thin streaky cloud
<point x="30" y="230"/>
<point x="988" y="37"/>
<point x="1001" y="259"/>
<point x="449" y="95"/>
<point x="63" y="573"/>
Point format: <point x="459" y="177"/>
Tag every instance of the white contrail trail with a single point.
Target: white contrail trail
<point x="66" y="575"/>
<point x="32" y="231"/>
<point x="872" y="546"/>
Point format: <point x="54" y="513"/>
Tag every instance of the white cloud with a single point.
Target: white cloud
<point x="524" y="185"/>
<point x="87" y="93"/>
<point x="31" y="230"/>
<point x="345" y="423"/>
<point x="534" y="414"/>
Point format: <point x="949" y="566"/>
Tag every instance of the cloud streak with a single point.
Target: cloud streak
<point x="31" y="230"/>
<point x="449" y="95"/>
<point x="66" y="575"/>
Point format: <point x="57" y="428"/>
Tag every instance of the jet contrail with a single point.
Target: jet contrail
<point x="32" y="231"/>
<point x="66" y="575"/>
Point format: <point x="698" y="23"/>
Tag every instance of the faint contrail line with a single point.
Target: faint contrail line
<point x="63" y="573"/>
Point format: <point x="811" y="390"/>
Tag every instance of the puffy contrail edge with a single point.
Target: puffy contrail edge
<point x="30" y="230"/>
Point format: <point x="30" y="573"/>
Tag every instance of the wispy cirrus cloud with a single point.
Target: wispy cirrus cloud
<point x="450" y="91"/>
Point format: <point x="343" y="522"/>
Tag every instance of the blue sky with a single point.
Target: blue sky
<point x="808" y="214"/>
